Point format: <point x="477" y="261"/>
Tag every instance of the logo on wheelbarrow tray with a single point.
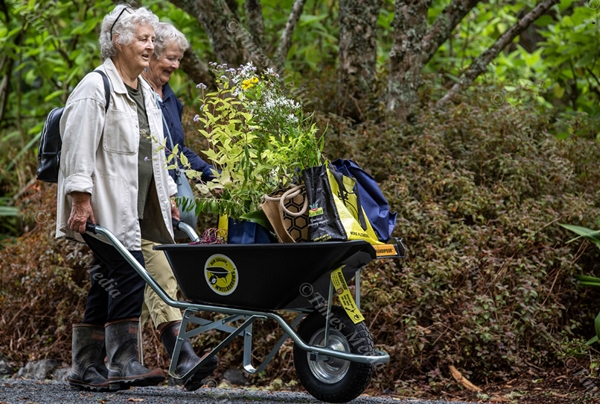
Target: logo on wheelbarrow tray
<point x="221" y="274"/>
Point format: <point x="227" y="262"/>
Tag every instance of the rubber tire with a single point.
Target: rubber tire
<point x="356" y="377"/>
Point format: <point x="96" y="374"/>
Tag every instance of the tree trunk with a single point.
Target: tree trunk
<point x="357" y="55"/>
<point x="220" y="26"/>
<point x="253" y="39"/>
<point x="196" y="69"/>
<point x="256" y="23"/>
<point x="480" y="64"/>
<point x="406" y="57"/>
<point x="286" y="36"/>
<point x="442" y="28"/>
<point x="233" y="8"/>
<point x="6" y="68"/>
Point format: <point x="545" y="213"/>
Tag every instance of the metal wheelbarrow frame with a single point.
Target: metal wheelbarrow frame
<point x="325" y="359"/>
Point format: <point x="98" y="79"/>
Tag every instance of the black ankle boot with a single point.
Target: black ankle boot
<point x="187" y="358"/>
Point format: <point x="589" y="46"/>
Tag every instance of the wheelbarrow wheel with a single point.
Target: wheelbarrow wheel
<point x="331" y="379"/>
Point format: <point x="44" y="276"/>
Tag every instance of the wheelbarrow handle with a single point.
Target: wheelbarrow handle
<point x="177" y="224"/>
<point x="90" y="227"/>
<point x="187" y="229"/>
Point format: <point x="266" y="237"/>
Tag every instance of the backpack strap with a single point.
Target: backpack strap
<point x="106" y="88"/>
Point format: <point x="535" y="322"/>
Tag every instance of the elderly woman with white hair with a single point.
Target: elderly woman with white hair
<point x="169" y="48"/>
<point x="111" y="174"/>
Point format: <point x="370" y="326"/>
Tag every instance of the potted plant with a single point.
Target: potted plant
<point x="259" y="141"/>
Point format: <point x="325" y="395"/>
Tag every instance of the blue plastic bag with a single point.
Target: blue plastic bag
<point x="374" y="203"/>
<point x="247" y="232"/>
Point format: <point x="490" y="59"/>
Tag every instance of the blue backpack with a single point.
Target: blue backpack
<point x="51" y="142"/>
<point x="372" y="200"/>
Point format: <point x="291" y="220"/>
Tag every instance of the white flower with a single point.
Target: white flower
<point x="270" y="104"/>
<point x="201" y="86"/>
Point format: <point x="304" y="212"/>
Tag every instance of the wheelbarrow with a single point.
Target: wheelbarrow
<point x="240" y="284"/>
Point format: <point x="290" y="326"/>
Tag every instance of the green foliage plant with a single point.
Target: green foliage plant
<point x="569" y="52"/>
<point x="586" y="280"/>
<point x="8" y="217"/>
<point x="259" y="140"/>
<point x="45" y="48"/>
<point x="584" y="232"/>
<point x="5" y="209"/>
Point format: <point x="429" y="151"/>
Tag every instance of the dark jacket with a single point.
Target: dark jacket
<point x="171" y="109"/>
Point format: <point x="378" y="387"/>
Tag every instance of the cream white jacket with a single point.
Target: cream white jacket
<point x="100" y="156"/>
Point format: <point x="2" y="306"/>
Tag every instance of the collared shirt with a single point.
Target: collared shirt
<point x="172" y="109"/>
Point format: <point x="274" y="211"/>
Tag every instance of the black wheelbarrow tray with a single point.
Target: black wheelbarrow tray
<point x="334" y="356"/>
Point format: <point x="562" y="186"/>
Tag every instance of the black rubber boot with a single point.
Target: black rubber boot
<point x="124" y="369"/>
<point x="187" y="358"/>
<point x="88" y="371"/>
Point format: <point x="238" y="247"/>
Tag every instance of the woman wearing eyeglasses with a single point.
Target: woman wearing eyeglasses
<point x="170" y="45"/>
<point x="110" y="174"/>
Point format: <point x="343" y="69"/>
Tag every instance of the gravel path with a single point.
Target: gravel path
<point x="51" y="392"/>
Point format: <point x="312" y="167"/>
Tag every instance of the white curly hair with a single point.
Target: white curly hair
<point x="166" y="34"/>
<point x="124" y="23"/>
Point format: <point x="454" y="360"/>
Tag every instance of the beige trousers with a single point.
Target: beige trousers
<point x="158" y="267"/>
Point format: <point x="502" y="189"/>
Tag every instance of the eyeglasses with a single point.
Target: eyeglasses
<point x="119" y="16"/>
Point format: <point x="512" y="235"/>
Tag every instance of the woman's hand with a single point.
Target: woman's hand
<point x="174" y="210"/>
<point x="81" y="212"/>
